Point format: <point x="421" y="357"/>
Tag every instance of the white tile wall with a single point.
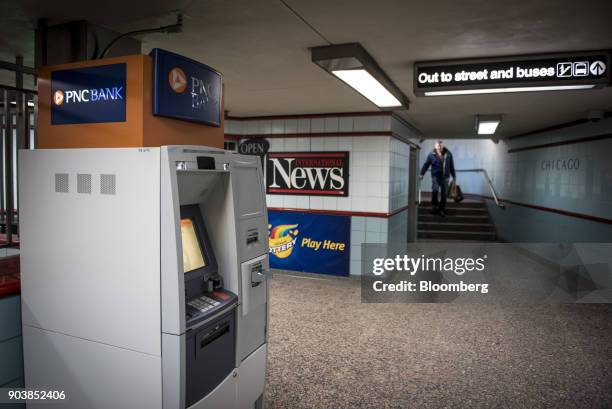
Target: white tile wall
<point x="378" y="172"/>
<point x="399" y="161"/>
<point x="317" y="144"/>
<point x="304" y="125"/>
<point x="276" y="144"/>
<point x="278" y="127"/>
<point x="378" y="165"/>
<point x="252" y="127"/>
<point x="331" y="124"/>
<point x="330" y="143"/>
<point x="265" y="127"/>
<point x="290" y="144"/>
<point x="291" y="126"/>
<point x="345" y="144"/>
<point x="303" y="144"/>
<point x="317" y="125"/>
<point x="368" y="230"/>
<point x="370" y="184"/>
<point x="345" y="124"/>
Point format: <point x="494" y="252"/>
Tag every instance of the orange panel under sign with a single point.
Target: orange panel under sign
<point x="131" y="122"/>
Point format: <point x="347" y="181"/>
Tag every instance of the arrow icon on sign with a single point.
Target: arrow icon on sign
<point x="597" y="68"/>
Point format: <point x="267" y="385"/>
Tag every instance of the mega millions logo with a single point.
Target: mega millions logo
<point x="177" y="80"/>
<point x="282" y="239"/>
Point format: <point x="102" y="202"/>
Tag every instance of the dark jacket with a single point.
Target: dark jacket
<point x="440" y="167"/>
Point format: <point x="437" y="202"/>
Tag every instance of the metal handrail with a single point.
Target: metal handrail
<point x="488" y="179"/>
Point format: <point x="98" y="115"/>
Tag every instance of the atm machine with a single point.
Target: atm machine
<point x="143" y="274"/>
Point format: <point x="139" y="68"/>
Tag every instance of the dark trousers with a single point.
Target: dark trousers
<point x="439" y="184"/>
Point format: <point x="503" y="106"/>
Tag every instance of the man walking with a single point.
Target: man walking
<point x="442" y="166"/>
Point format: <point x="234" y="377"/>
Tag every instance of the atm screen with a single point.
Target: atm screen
<point x="193" y="257"/>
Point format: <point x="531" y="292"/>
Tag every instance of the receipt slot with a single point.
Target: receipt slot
<point x="144" y="277"/>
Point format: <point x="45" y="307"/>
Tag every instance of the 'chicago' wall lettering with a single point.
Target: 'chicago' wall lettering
<point x="560" y="164"/>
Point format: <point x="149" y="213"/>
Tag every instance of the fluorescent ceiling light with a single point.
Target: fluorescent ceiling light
<point x="504" y="90"/>
<point x="368" y="86"/>
<point x="352" y="64"/>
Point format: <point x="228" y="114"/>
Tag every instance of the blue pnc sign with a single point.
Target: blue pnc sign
<point x="313" y="243"/>
<point x="88" y="95"/>
<point x="185" y="89"/>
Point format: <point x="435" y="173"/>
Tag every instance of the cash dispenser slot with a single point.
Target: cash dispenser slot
<point x="210" y="356"/>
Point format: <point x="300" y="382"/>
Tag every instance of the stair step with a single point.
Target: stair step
<point x="459" y="227"/>
<point x="451" y="205"/>
<point x="427" y="217"/>
<point x="456" y="235"/>
<point x="454" y="211"/>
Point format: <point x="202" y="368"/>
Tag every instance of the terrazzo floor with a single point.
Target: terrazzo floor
<point x="327" y="350"/>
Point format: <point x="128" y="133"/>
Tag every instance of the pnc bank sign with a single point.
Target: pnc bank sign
<point x="200" y="90"/>
<point x="185" y="89"/>
<point x="88" y="95"/>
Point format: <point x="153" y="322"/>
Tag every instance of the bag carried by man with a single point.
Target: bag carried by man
<point x="455" y="192"/>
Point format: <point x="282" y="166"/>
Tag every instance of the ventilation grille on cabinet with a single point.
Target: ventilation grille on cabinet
<point x="83" y="183"/>
<point x="107" y="184"/>
<point x="61" y="182"/>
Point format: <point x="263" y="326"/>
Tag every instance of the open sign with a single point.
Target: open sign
<point x="255" y="147"/>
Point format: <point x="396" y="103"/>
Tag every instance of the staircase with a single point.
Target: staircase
<point x="467" y="220"/>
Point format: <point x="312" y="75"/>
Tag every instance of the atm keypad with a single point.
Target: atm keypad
<point x="207" y="304"/>
<point x="203" y="303"/>
<point x="210" y="300"/>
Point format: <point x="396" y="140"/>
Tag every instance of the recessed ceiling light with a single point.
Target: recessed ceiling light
<point x="487" y="124"/>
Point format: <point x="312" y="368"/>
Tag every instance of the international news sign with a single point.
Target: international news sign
<point x="308" y="242"/>
<point x="88" y="95"/>
<point x="185" y="89"/>
<point x="545" y="70"/>
<point x="308" y="173"/>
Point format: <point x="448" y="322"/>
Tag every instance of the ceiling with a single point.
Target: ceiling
<point x="262" y="49"/>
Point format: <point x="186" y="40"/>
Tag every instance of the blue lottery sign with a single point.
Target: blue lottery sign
<point x="315" y="243"/>
<point x="185" y="89"/>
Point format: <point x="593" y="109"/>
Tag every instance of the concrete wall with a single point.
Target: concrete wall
<point x="531" y="177"/>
